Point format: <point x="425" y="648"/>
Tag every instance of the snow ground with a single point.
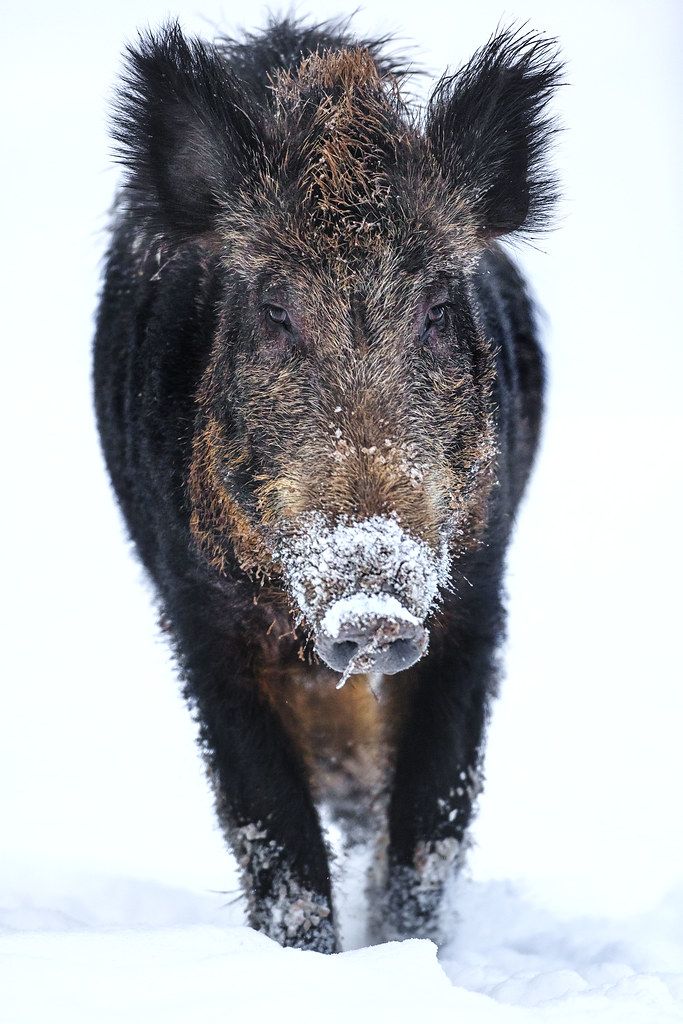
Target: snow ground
<point x="90" y="948"/>
<point x="115" y="889"/>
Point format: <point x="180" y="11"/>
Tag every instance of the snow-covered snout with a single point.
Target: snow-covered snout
<point x="365" y="588"/>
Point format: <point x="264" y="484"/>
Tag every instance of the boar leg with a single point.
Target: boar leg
<point x="435" y="786"/>
<point x="266" y="810"/>
<point x="263" y="798"/>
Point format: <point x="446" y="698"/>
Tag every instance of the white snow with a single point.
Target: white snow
<point x="81" y="949"/>
<point x="361" y="606"/>
<point x="325" y="563"/>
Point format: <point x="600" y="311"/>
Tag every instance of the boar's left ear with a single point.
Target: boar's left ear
<point x="489" y="129"/>
<point x="185" y="132"/>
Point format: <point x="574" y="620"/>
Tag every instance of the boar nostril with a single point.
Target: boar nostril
<point x="399" y="655"/>
<point x="338" y="655"/>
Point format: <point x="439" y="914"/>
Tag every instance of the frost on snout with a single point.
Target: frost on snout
<point x="364" y="588"/>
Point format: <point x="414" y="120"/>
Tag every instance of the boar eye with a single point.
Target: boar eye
<point x="436" y="314"/>
<point x="278" y="315"/>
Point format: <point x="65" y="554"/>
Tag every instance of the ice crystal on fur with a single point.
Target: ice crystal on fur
<point x="410" y="903"/>
<point x="358" y="606"/>
<point x="291" y="913"/>
<point x="327" y="564"/>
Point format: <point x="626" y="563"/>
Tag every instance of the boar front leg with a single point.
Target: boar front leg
<point x="435" y="786"/>
<point x="263" y="801"/>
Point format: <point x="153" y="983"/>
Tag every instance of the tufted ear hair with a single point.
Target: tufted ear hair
<point x="185" y="131"/>
<point x="489" y="129"/>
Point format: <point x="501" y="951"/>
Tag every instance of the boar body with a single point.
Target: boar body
<point x="319" y="393"/>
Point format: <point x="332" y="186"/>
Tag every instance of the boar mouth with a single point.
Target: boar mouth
<point x="364" y="588"/>
<point x="365" y="633"/>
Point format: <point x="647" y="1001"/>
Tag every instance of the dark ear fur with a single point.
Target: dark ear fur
<point x="185" y="132"/>
<point x="489" y="129"/>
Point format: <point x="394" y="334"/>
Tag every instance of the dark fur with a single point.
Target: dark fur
<point x="215" y="423"/>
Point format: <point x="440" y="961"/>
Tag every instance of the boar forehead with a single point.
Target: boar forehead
<point x="348" y="176"/>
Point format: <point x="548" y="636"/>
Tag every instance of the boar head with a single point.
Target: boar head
<point x="346" y="437"/>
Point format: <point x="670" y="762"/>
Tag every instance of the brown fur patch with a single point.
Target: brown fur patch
<point x="351" y="68"/>
<point x="345" y="737"/>
<point x="341" y="176"/>
<point x="217" y="521"/>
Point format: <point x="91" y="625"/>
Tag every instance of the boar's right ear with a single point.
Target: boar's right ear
<point x="185" y="134"/>
<point x="489" y="130"/>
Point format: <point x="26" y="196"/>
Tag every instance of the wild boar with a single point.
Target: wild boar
<point x="319" y="392"/>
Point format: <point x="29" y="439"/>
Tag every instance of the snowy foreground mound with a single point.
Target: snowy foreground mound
<point x="134" y="952"/>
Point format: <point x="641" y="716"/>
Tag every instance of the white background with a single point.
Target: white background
<point x="585" y="759"/>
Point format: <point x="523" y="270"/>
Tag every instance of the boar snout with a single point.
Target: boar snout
<point x="362" y="634"/>
<point x="364" y="588"/>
